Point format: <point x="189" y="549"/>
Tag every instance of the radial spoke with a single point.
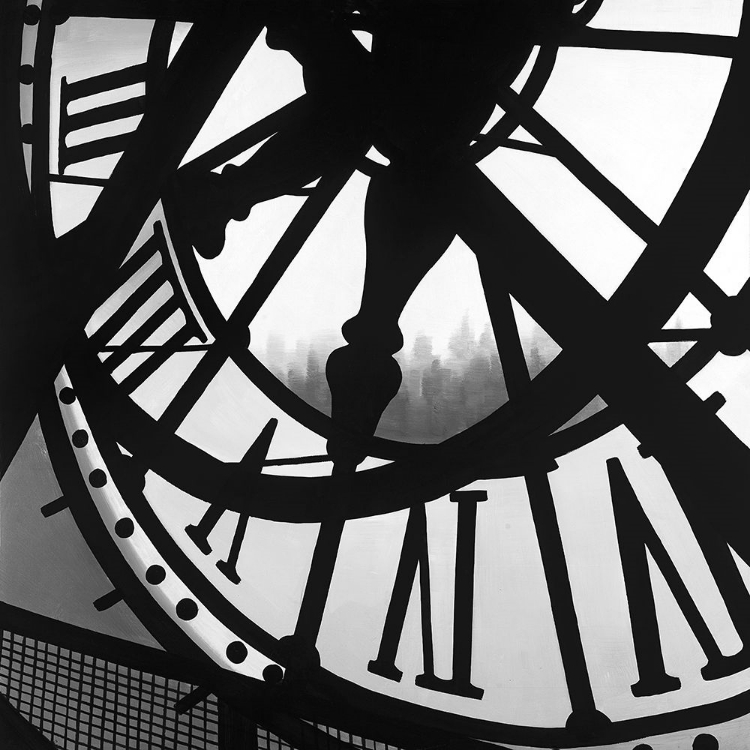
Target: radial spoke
<point x="194" y="387"/>
<point x="289" y="245"/>
<point x="578" y="165"/>
<point x="712" y="45"/>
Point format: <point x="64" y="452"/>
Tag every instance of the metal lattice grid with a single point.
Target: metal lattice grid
<point x="269" y="741"/>
<point x="355" y="740"/>
<point x="81" y="702"/>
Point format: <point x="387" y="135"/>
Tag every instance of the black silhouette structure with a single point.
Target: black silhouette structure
<point x="421" y="97"/>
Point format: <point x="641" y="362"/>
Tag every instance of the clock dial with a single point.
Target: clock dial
<point x="540" y="572"/>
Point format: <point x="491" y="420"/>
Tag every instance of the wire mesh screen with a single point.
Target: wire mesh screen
<point x="82" y="702"/>
<point x="353" y="739"/>
<point x="321" y="737"/>
<point x="79" y="701"/>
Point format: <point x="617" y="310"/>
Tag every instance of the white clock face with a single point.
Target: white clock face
<point x="508" y="559"/>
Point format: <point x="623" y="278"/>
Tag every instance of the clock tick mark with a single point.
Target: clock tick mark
<point x="108" y="600"/>
<point x="54" y="507"/>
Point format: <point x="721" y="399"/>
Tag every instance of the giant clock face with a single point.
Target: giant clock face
<point x="530" y="526"/>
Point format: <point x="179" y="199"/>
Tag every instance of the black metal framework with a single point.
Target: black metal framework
<point x="630" y="381"/>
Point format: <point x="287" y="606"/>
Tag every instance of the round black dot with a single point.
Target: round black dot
<point x="273" y="674"/>
<point x="705" y="742"/>
<point x="67" y="395"/>
<point x="155" y="574"/>
<point x="27" y="133"/>
<point x="97" y="478"/>
<point x="643" y="747"/>
<point x="186" y="609"/>
<point x="80" y="438"/>
<point x="124" y="528"/>
<point x="236" y="652"/>
<point x="26" y="74"/>
<point x="31" y="15"/>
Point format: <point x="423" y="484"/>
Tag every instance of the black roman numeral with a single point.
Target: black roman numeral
<point x="250" y="467"/>
<point x="636" y="536"/>
<point x="108" y="113"/>
<point x="154" y="247"/>
<point x="414" y="555"/>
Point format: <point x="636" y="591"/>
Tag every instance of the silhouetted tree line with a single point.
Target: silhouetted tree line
<point x="440" y="394"/>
